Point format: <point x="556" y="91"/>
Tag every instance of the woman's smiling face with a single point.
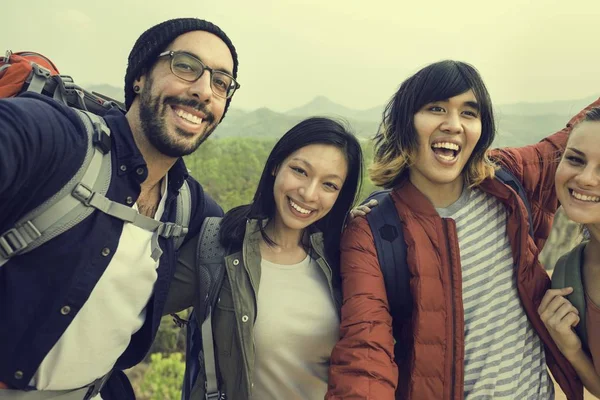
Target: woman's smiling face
<point x="307" y="185"/>
<point x="578" y="175"/>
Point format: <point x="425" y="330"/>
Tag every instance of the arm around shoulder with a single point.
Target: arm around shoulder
<point x="544" y="154"/>
<point x="535" y="166"/>
<point x="362" y="362"/>
<point x="184" y="285"/>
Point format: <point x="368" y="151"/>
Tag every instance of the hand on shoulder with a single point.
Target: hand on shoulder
<point x="362" y="210"/>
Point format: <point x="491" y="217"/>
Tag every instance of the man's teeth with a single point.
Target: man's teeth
<point x="446" y="145"/>
<point x="298" y="208"/>
<point x="583" y="197"/>
<point x="188" y="117"/>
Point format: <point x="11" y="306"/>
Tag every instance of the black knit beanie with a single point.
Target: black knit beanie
<point x="155" y="40"/>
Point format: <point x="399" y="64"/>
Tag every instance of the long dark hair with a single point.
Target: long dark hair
<point x="396" y="141"/>
<point x="316" y="130"/>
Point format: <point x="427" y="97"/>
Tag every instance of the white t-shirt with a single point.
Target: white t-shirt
<point x="296" y="327"/>
<point x="115" y="310"/>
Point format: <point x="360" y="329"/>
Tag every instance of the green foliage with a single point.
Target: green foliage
<point x="229" y="169"/>
<point x="170" y="338"/>
<point x="162" y="380"/>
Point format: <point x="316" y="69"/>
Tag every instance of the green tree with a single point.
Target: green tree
<point x="170" y="338"/>
<point x="163" y="378"/>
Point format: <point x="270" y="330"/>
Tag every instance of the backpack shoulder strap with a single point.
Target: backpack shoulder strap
<point x="184" y="212"/>
<point x="567" y="272"/>
<point x="83" y="194"/>
<point x="63" y="210"/>
<point x="211" y="271"/>
<point x="386" y="227"/>
<point x="210" y="256"/>
<point x="506" y="177"/>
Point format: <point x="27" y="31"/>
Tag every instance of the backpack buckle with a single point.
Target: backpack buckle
<point x="6" y="57"/>
<point x="170" y="229"/>
<point x="13" y="241"/>
<point x="96" y="386"/>
<point x="83" y="193"/>
<point x="101" y="137"/>
<point x="37" y="78"/>
<point x="41" y="71"/>
<point x="214" y="396"/>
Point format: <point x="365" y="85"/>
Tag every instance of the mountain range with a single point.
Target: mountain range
<point x="518" y="123"/>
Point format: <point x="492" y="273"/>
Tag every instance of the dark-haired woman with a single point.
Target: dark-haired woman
<point x="472" y="331"/>
<point x="578" y="190"/>
<point x="277" y="317"/>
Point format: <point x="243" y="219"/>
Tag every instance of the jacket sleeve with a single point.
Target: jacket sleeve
<point x="535" y="166"/>
<point x="37" y="140"/>
<point x="184" y="287"/>
<point x="184" y="284"/>
<point x="362" y="362"/>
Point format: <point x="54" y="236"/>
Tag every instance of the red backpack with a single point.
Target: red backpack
<point x="18" y="70"/>
<point x="29" y="71"/>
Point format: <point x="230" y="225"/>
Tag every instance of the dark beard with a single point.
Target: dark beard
<point x="153" y="124"/>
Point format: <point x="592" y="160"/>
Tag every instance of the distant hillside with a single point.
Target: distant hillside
<point x="518" y="124"/>
<point x="265" y="123"/>
<point x="564" y="107"/>
<point x="520" y="130"/>
<point x="321" y="105"/>
<point x="108" y="90"/>
<point x="517" y="129"/>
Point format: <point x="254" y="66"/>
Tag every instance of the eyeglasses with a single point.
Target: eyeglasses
<point x="189" y="68"/>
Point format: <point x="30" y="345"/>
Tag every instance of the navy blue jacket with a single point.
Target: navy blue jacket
<point x="42" y="145"/>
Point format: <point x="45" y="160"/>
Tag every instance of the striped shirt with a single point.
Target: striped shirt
<point x="504" y="356"/>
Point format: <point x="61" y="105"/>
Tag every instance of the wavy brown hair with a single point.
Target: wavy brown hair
<point x="396" y="141"/>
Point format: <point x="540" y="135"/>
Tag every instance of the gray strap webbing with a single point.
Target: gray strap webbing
<point x="77" y="394"/>
<point x="88" y="392"/>
<point x="210" y="368"/>
<point x="128" y="214"/>
<point x="184" y="211"/>
<point x="39" y="76"/>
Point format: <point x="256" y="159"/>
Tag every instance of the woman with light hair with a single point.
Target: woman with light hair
<point x="571" y="311"/>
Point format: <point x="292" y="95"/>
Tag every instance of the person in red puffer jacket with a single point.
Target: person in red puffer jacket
<point x="476" y="283"/>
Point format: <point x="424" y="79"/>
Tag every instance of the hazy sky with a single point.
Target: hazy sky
<point x="354" y="52"/>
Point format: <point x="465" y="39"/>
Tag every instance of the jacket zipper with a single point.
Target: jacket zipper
<point x="453" y="347"/>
